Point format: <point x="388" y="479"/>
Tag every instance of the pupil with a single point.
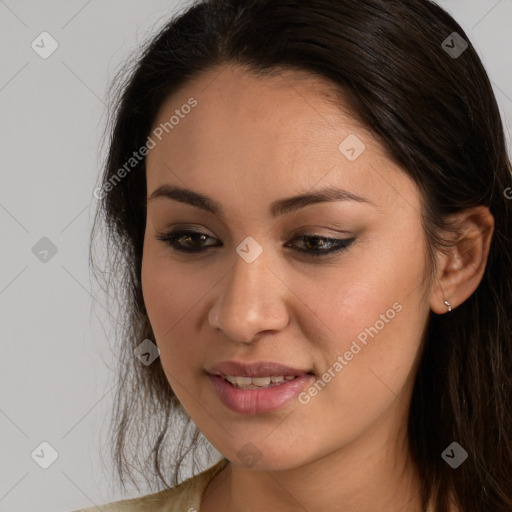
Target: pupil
<point x="316" y="240"/>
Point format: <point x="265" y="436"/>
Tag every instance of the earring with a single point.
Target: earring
<point x="449" y="305"/>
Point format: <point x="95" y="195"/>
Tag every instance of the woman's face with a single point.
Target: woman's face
<point x="354" y="319"/>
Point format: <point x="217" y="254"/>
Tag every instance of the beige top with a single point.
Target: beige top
<point x="185" y="497"/>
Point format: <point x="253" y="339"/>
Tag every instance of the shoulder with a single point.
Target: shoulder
<point x="185" y="497"/>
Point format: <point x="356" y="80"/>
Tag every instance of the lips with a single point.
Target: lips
<point x="233" y="382"/>
<point x="254" y="400"/>
<point x="256" y="369"/>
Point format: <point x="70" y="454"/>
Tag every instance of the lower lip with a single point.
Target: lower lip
<point x="256" y="401"/>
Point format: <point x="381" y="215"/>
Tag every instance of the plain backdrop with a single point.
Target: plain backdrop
<point x="55" y="367"/>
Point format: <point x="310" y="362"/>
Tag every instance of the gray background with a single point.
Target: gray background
<point x="56" y="365"/>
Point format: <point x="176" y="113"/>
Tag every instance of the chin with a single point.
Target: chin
<point x="265" y="458"/>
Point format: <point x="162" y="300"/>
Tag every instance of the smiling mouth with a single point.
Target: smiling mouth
<point x="240" y="382"/>
<point x="257" y="382"/>
<point x="261" y="394"/>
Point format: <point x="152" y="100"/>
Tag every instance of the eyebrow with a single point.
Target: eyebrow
<point x="277" y="208"/>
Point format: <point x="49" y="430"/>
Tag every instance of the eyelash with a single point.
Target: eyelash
<point x="172" y="237"/>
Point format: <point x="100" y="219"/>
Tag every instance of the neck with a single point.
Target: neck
<point x="374" y="472"/>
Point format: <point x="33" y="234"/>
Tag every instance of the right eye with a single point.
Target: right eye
<point x="176" y="238"/>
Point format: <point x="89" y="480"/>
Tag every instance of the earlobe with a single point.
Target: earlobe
<point x="460" y="271"/>
<point x="442" y="298"/>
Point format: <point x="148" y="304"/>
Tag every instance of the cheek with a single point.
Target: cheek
<point x="170" y="297"/>
<point x="372" y="317"/>
<point x="357" y="293"/>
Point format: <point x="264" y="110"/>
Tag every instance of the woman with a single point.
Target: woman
<point x="311" y="205"/>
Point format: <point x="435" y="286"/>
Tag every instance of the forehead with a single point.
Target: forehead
<point x="230" y="98"/>
<point x="280" y="132"/>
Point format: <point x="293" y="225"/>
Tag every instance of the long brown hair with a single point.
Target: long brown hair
<point x="436" y="115"/>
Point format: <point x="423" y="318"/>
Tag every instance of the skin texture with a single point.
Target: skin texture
<point x="248" y="142"/>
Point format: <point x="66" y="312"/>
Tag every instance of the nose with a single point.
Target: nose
<point x="251" y="301"/>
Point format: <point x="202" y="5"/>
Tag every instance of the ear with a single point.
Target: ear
<point x="461" y="268"/>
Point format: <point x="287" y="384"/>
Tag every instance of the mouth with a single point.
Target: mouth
<point x="241" y="382"/>
<point x="259" y="395"/>
<point x="257" y="387"/>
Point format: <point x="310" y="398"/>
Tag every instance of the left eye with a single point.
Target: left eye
<point x="321" y="245"/>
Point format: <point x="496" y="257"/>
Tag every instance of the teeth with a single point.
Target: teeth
<point x="257" y="382"/>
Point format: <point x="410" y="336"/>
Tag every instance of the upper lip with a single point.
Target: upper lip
<point x="256" y="369"/>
